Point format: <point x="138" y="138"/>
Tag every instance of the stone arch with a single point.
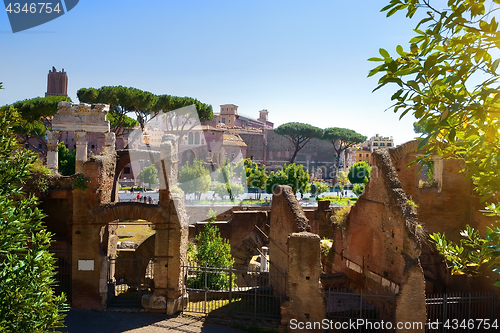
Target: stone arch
<point x="129" y="210"/>
<point x="400" y="151"/>
<point x="123" y="158"/>
<point x="188" y="156"/>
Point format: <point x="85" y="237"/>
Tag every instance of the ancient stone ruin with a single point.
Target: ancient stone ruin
<point x="380" y="249"/>
<point x="79" y="118"/>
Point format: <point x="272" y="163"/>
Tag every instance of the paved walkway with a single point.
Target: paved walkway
<point x="90" y="321"/>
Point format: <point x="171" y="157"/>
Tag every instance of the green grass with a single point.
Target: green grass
<point x="246" y="202"/>
<point x="136" y="189"/>
<point x="134" y="232"/>
<point x="339" y="200"/>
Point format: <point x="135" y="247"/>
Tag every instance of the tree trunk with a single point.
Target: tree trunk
<point x="292" y="160"/>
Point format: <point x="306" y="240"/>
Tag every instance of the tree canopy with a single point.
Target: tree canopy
<point x="316" y="188"/>
<point x="122" y="100"/>
<point x="299" y="135"/>
<point x="341" y="139"/>
<point x="149" y="175"/>
<point x="35" y="118"/>
<point x="126" y="122"/>
<point x="447" y="77"/>
<point x="359" y="172"/>
<point x="256" y="176"/>
<point x="195" y="179"/>
<point x="146" y="105"/>
<point x="292" y="175"/>
<point x="27" y="301"/>
<point x="66" y="160"/>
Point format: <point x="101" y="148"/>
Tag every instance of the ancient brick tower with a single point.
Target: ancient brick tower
<point x="57" y="83"/>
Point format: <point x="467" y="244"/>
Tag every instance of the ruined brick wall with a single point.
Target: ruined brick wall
<point x="382" y="237"/>
<point x="378" y="248"/>
<point x="241" y="232"/>
<point x="306" y="301"/>
<point x="287" y="217"/>
<point x="90" y="238"/>
<point x="224" y="213"/>
<point x="446" y="209"/>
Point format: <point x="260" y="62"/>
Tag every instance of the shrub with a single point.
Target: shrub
<point x="27" y="301"/>
<point x="358" y="189"/>
<point x="340" y="215"/>
<point x="211" y="251"/>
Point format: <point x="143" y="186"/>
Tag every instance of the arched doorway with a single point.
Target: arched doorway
<point x="188" y="156"/>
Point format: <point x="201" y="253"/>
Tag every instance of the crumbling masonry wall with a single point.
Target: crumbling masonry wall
<point x="295" y="251"/>
<point x="287" y="217"/>
<point x="379" y="247"/>
<point x="447" y="209"/>
<point x="91" y="238"/>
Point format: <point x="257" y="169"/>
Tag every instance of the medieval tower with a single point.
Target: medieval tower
<point x="57" y="83"/>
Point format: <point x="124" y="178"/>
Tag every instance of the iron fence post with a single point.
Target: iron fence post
<point x="361" y="304"/>
<point x="255" y="294"/>
<point x="230" y="287"/>
<point x="205" y="290"/>
<point x="493" y="306"/>
<point x="445" y="308"/>
<point x="139" y="287"/>
<point x="469" y="310"/>
<point x="183" y="288"/>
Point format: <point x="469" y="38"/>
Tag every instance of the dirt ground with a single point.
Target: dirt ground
<point x="90" y="321"/>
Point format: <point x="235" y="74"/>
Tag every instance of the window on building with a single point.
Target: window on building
<point x="229" y="121"/>
<point x="126" y="170"/>
<point x="27" y="145"/>
<point x="375" y="144"/>
<point x="223" y="120"/>
<point x="202" y="141"/>
<point x="92" y="146"/>
<point x="196" y="138"/>
<point x="40" y="146"/>
<point x="366" y="155"/>
<point x="388" y="144"/>
<point x="213" y="132"/>
<point x="190" y="138"/>
<point x="382" y="144"/>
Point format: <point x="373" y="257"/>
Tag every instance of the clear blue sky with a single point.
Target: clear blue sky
<point x="303" y="61"/>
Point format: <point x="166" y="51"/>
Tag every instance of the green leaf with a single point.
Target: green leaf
<point x="376" y="70"/>
<point x="399" y="50"/>
<point x="494" y="65"/>
<point x="413" y="84"/>
<point x="384" y="53"/>
<point x="423" y="143"/>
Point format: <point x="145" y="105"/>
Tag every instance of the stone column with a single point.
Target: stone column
<point x="52" y="149"/>
<point x="306" y="302"/>
<point x="81" y="150"/>
<point x="169" y="162"/>
<point x="109" y="141"/>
